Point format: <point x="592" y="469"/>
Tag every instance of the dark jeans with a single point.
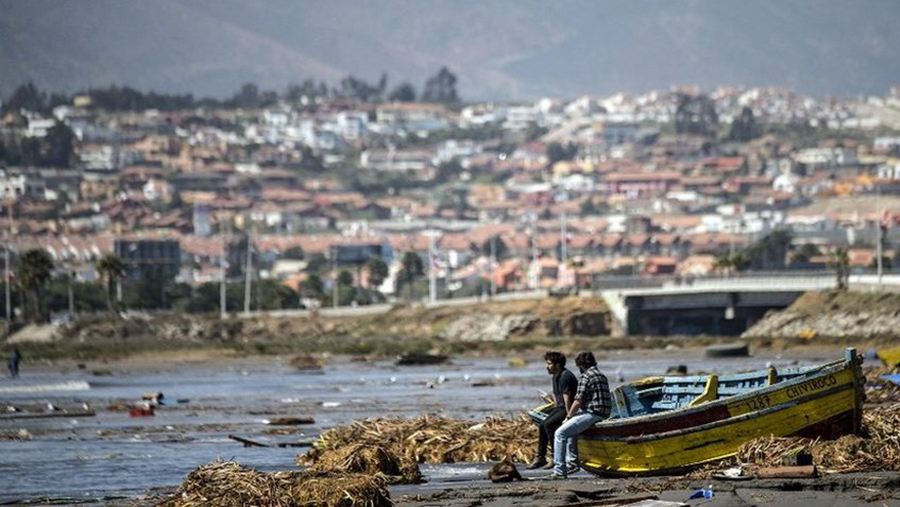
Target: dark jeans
<point x="548" y="428"/>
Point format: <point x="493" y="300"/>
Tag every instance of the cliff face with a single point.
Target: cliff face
<point x="834" y="314"/>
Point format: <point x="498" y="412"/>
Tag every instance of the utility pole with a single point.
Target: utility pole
<point x="6" y="280"/>
<point x="879" y="247"/>
<point x="334" y="281"/>
<point x="533" y="280"/>
<point x="248" y="268"/>
<point x="71" y="293"/>
<point x="564" y="247"/>
<point x="223" y="285"/>
<point x="493" y="262"/>
<point x="432" y="265"/>
<point x="6" y="277"/>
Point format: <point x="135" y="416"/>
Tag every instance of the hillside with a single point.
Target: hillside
<point x="869" y="316"/>
<point x="501" y="49"/>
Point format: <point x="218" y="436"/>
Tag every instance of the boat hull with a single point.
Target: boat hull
<point x="826" y="404"/>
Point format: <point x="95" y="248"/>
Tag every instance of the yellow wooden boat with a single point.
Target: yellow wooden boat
<point x="659" y="427"/>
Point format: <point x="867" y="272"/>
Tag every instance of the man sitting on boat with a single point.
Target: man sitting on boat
<point x="592" y="404"/>
<point x="565" y="386"/>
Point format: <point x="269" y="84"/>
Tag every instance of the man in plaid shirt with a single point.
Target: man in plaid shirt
<point x="592" y="403"/>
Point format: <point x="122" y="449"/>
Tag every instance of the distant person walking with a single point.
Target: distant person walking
<point x="564" y="387"/>
<point x="14" y="359"/>
<point x="592" y="403"/>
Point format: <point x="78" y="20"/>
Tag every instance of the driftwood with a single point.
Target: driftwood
<point x="253" y="443"/>
<point x="291" y="421"/>
<point x="247" y="442"/>
<point x="618" y="500"/>
<point x="804" y="472"/>
<point x="47" y="415"/>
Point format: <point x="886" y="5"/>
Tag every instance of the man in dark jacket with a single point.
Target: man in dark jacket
<point x="13" y="363"/>
<point x="564" y="387"/>
<point x="592" y="403"/>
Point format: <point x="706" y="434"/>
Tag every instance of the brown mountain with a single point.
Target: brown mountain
<point x="501" y="49"/>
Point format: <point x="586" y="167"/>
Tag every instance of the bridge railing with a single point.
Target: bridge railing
<point x="802" y="280"/>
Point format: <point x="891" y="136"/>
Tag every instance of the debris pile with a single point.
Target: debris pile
<point x="879" y="390"/>
<point x="370" y="460"/>
<point x="878" y="449"/>
<point x="228" y="484"/>
<point x="431" y="439"/>
<point x="305" y="362"/>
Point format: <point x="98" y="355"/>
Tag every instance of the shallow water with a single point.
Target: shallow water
<point x="115" y="455"/>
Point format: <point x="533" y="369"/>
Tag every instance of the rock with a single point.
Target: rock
<point x="504" y="471"/>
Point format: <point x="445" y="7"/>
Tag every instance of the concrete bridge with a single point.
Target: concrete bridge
<point x="716" y="305"/>
<point x="664" y="306"/>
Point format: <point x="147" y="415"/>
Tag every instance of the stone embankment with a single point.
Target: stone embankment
<point x="834" y="314"/>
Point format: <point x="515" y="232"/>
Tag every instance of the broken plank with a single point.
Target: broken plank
<point x="247" y="442"/>
<point x="803" y="472"/>
<point x="617" y="500"/>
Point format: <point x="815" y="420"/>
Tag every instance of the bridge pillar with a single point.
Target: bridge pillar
<point x="634" y="304"/>
<point x="730" y="304"/>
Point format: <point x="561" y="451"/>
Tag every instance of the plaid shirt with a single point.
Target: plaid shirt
<point x="593" y="392"/>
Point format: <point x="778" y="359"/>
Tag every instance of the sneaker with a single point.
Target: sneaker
<point x="571" y="469"/>
<point x="548" y="466"/>
<point x="554" y="476"/>
<point x="537" y="463"/>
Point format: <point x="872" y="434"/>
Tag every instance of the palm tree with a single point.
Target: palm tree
<point x="378" y="272"/>
<point x="412" y="268"/>
<point x="112" y="270"/>
<point x="841" y="262"/>
<point x="35" y="268"/>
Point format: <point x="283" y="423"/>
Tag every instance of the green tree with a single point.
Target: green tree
<point x="293" y="253"/>
<point x="534" y="132"/>
<point x="317" y="263"/>
<point x="501" y="250"/>
<point x="805" y="253"/>
<point x="378" y="271"/>
<point x="308" y="90"/>
<point x="696" y="115"/>
<point x="312" y="287"/>
<point x="441" y="88"/>
<point x="404" y="92"/>
<point x="840" y="261"/>
<point x="35" y="268"/>
<point x="27" y="97"/>
<point x="358" y="89"/>
<point x="89" y="297"/>
<point x="557" y="152"/>
<point x="744" y="127"/>
<point x="448" y="171"/>
<point x="412" y="268"/>
<point x="345" y="278"/>
<point x="733" y="262"/>
<point x="770" y="252"/>
<point x="112" y="270"/>
<point x="60" y="146"/>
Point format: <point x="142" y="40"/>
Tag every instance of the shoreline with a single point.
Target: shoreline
<point x="178" y="427"/>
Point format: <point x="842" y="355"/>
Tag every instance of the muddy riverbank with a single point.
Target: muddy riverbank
<point x="489" y="327"/>
<point x="113" y="454"/>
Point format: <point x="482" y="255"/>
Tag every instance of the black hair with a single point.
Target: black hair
<point x="555" y="357"/>
<point x="585" y="360"/>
